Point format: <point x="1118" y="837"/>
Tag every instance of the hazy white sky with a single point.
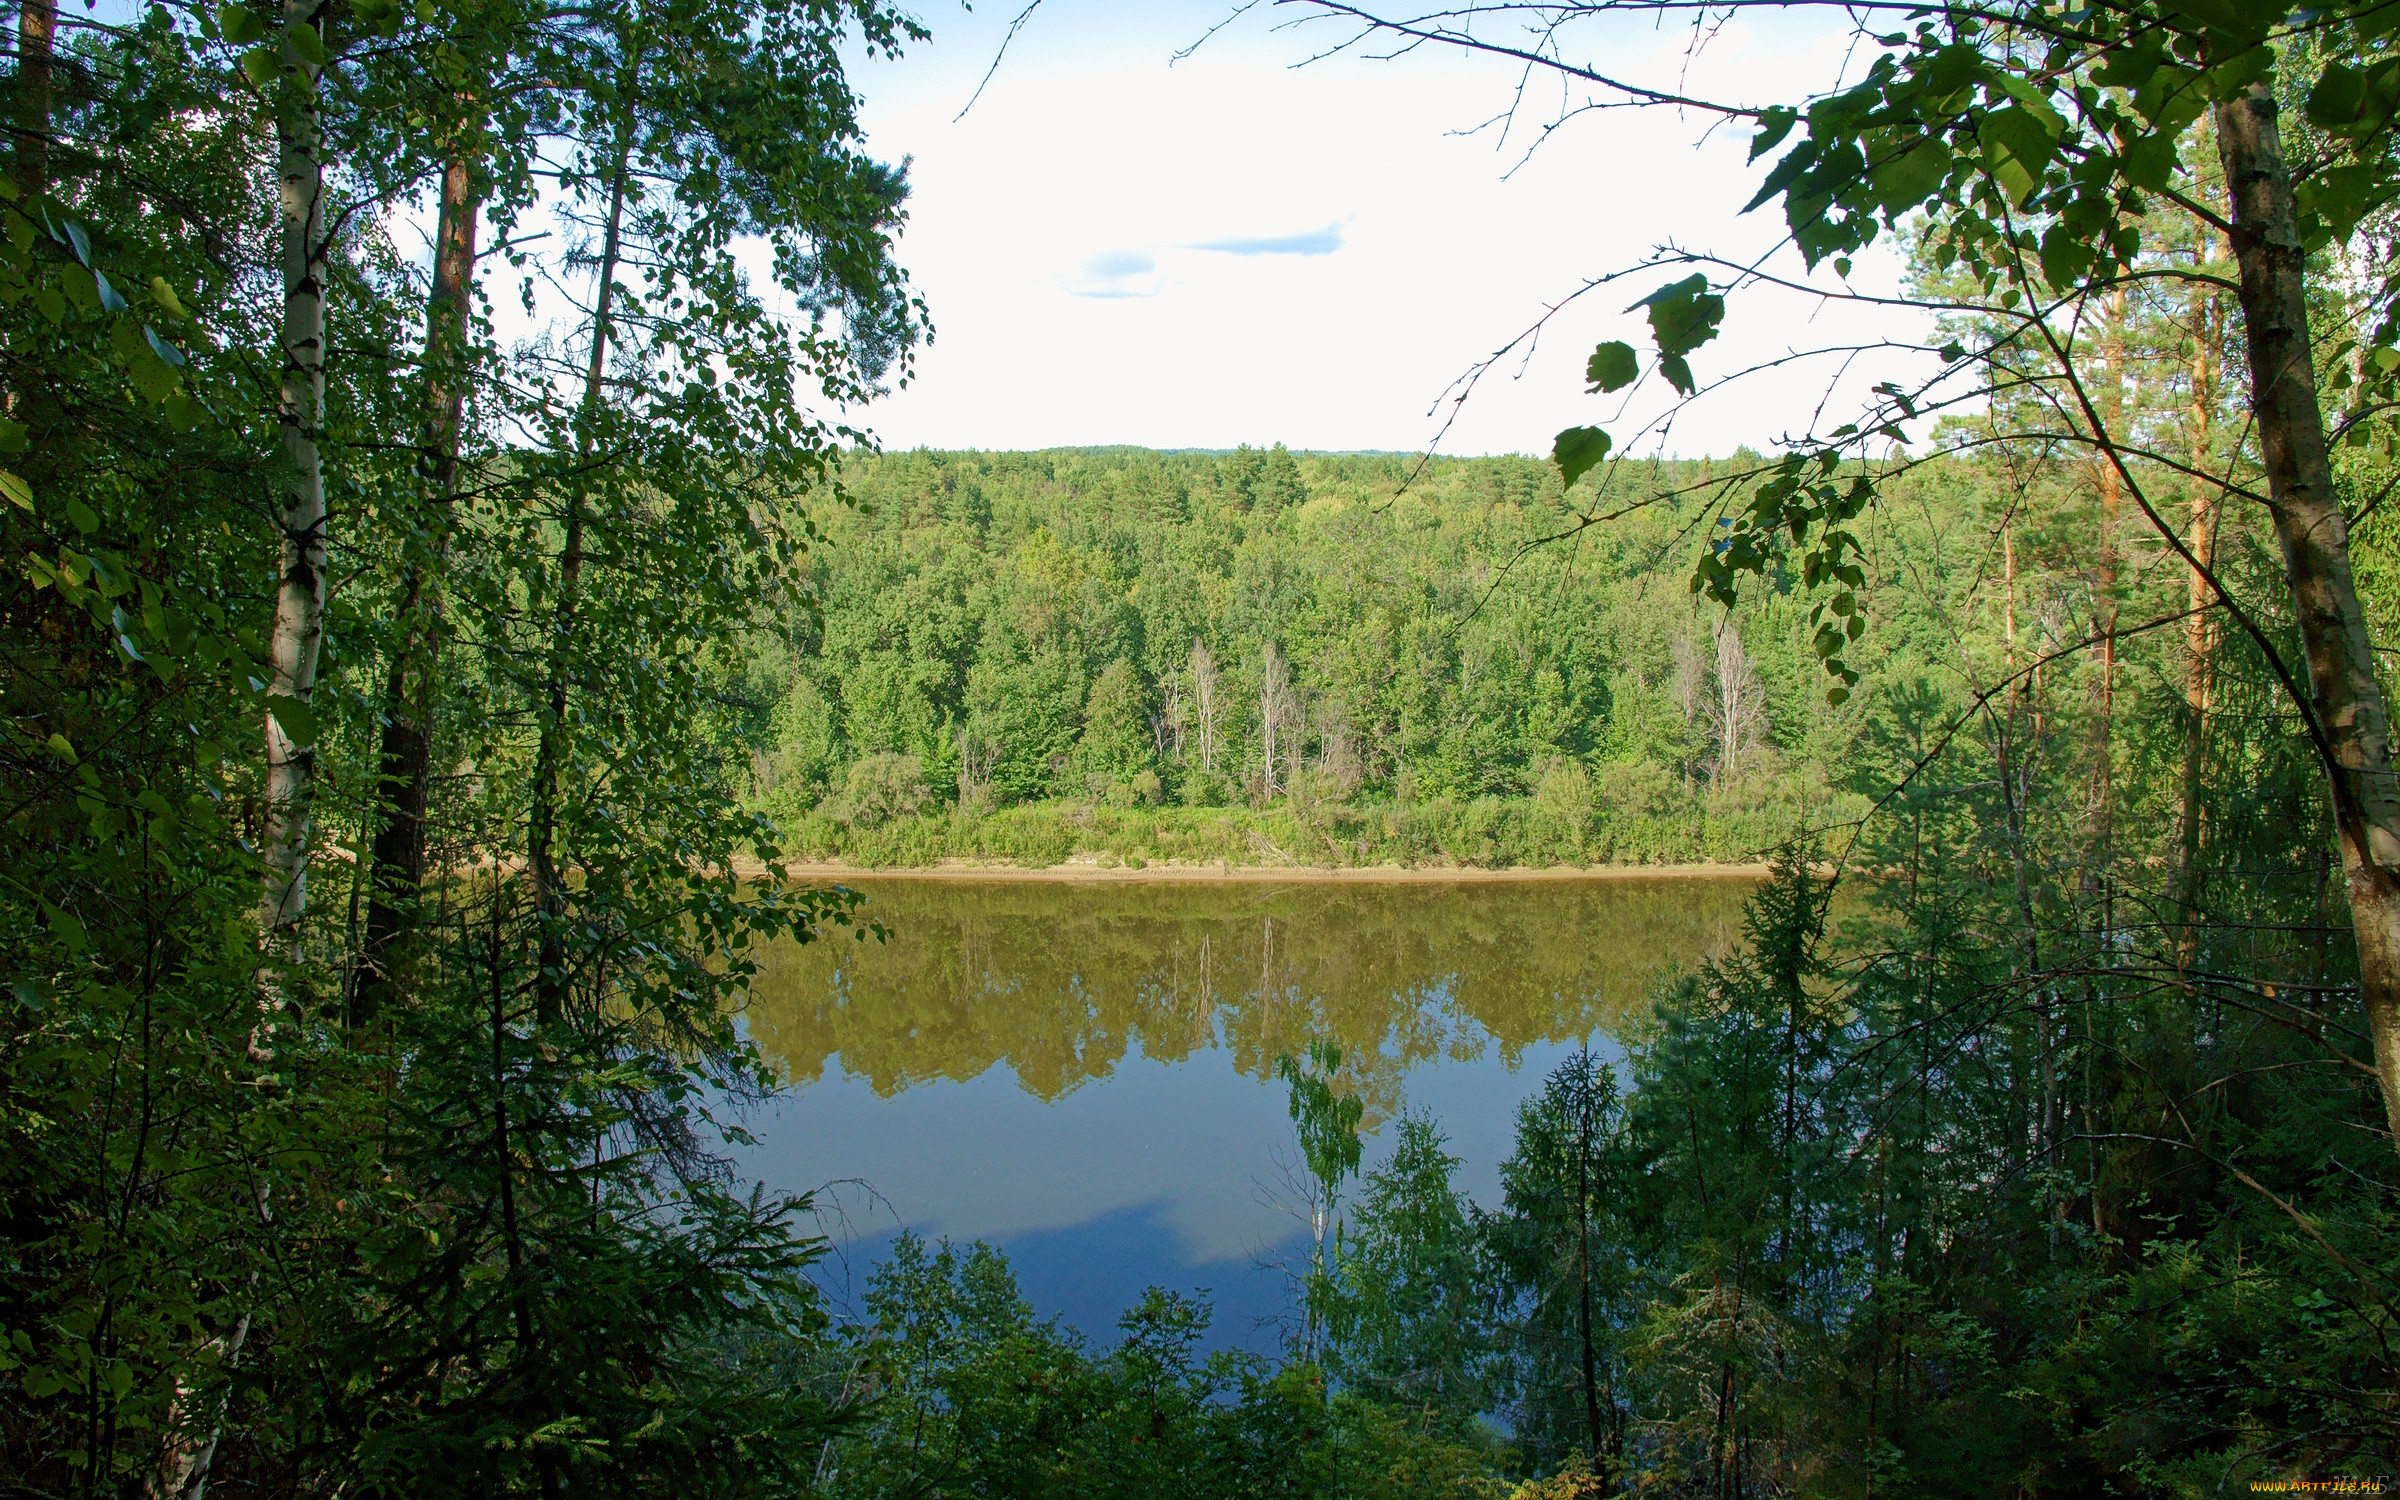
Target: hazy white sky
<point x="1122" y="248"/>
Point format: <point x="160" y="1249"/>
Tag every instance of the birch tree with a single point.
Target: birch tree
<point x="297" y="639"/>
<point x="1205" y="709"/>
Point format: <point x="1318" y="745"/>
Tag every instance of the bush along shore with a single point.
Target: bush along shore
<point x="1442" y="832"/>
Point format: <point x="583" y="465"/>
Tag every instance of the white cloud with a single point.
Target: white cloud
<point x="1316" y="242"/>
<point x="1115" y="273"/>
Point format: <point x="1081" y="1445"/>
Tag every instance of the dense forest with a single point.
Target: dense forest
<point x="1330" y="659"/>
<point x="401" y="700"/>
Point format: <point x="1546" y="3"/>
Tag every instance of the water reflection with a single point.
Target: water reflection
<point x="1058" y="980"/>
<point x="1084" y="1072"/>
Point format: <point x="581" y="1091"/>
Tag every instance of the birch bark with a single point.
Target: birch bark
<point x="299" y="631"/>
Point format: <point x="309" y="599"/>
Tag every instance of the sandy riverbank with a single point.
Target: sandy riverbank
<point x="1164" y="872"/>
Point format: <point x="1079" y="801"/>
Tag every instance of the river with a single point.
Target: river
<point x="1083" y="1073"/>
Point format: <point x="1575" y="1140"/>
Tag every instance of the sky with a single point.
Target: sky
<point x="1121" y="247"/>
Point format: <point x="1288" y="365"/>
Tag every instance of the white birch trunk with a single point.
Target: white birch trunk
<point x="299" y="631"/>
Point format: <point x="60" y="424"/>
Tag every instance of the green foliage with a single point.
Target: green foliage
<point x="973" y="1395"/>
<point x="1411" y="1301"/>
<point x="879" y="788"/>
<point x="1327" y="1122"/>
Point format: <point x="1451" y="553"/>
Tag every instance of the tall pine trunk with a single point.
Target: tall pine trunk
<point x="37" y="32"/>
<point x="2200" y="629"/>
<point x="299" y="630"/>
<point x="2104" y="601"/>
<point x="405" y="756"/>
<point x="2346" y="698"/>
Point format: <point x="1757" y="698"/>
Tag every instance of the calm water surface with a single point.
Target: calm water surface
<point x="1083" y="1073"/>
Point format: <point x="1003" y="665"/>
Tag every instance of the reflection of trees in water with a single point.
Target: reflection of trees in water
<point x="1058" y="980"/>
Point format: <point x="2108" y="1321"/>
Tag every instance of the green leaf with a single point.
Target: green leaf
<point x="2149" y="161"/>
<point x="65" y="927"/>
<point x="2065" y="256"/>
<point x="17" y="490"/>
<point x="2036" y="103"/>
<point x="306" y="43"/>
<point x="2016" y="149"/>
<point x="111" y="300"/>
<point x="80" y="288"/>
<point x="297" y="718"/>
<point x="2248" y="20"/>
<point x="2340" y="93"/>
<point x="1683" y="314"/>
<point x="240" y="24"/>
<point x="2131" y="64"/>
<point x="1908" y="180"/>
<point x="1612" y="367"/>
<point x="2172" y="99"/>
<point x="60" y="748"/>
<point x="82" y="515"/>
<point x="260" y="64"/>
<point x="1773" y="125"/>
<point x="1678" y="372"/>
<point x="2237" y="73"/>
<point x="152" y="376"/>
<point x="2344" y="195"/>
<point x="1577" y="451"/>
<point x="166" y="298"/>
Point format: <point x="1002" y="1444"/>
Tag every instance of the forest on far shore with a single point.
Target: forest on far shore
<point x="1269" y="657"/>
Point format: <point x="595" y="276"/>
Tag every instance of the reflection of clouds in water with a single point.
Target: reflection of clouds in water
<point x="1188" y="1142"/>
<point x="984" y="1158"/>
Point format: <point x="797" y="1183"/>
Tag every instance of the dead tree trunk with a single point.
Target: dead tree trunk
<point x="2200" y="630"/>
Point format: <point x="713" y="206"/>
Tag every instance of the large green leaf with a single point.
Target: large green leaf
<point x="1577" y="451"/>
<point x="1909" y="179"/>
<point x="1683" y="314"/>
<point x="2017" y="148"/>
<point x="1612" y="367"/>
